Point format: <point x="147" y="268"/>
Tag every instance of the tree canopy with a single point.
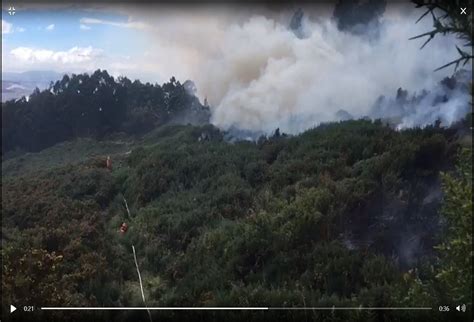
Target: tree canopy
<point x="93" y="106"/>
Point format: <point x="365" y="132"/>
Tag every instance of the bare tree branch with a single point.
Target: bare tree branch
<point x="449" y="22"/>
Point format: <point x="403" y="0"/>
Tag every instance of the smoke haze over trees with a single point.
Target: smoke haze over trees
<point x="316" y="65"/>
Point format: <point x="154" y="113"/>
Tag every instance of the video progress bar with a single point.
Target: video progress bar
<point x="330" y="308"/>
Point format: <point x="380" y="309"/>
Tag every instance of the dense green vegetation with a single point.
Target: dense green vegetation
<point x="345" y="214"/>
<point x="456" y="265"/>
<point x="68" y="152"/>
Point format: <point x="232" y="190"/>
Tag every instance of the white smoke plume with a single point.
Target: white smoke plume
<point x="447" y="102"/>
<point x="258" y="75"/>
<point x="266" y="77"/>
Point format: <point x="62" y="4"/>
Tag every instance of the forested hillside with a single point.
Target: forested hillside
<point x="94" y="106"/>
<point x="345" y="214"/>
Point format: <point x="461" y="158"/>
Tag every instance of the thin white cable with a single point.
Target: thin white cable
<point x="128" y="210"/>
<point x="140" y="279"/>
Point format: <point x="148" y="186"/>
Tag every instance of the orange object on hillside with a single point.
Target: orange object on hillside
<point x="108" y="163"/>
<point x="123" y="228"/>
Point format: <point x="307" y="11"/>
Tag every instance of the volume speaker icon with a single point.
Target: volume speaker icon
<point x="461" y="308"/>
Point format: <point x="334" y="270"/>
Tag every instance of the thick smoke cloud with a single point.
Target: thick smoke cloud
<point x="259" y="73"/>
<point x="268" y="78"/>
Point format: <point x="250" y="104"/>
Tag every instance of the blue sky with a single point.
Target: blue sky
<point x="67" y="30"/>
<point x="62" y="39"/>
<point x="140" y="42"/>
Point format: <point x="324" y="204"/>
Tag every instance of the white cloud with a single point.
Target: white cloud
<point x="71" y="56"/>
<point x="129" y="24"/>
<point x="20" y="29"/>
<point x="50" y="27"/>
<point x="7" y="28"/>
<point x="84" y="27"/>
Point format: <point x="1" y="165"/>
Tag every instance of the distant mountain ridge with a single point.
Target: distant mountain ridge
<point x="15" y="85"/>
